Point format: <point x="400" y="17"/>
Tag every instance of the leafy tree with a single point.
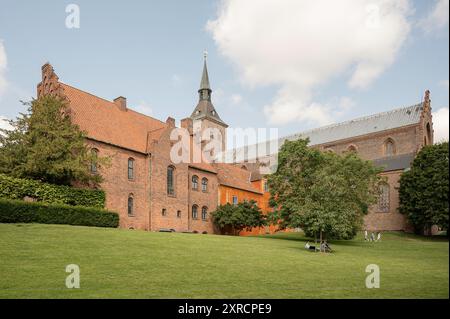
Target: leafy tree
<point x="46" y="146"/>
<point x="321" y="192"/>
<point x="424" y="189"/>
<point x="244" y="215"/>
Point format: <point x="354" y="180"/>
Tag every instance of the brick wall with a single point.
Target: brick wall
<point x="159" y="197"/>
<point x="391" y="220"/>
<point x="118" y="187"/>
<point x="202" y="199"/>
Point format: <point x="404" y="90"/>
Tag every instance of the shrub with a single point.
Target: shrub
<point x="18" y="188"/>
<point x="16" y="211"/>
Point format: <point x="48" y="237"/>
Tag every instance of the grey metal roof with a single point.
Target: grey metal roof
<point x="336" y="132"/>
<point x="393" y="163"/>
<point x="205" y="108"/>
<point x="204" y="83"/>
<point x="361" y="126"/>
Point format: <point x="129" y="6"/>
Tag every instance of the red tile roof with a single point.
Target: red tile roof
<point x="235" y="176"/>
<point x="102" y="120"/>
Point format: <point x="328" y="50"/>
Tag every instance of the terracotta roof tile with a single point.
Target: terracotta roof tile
<point x="235" y="176"/>
<point x="102" y="120"/>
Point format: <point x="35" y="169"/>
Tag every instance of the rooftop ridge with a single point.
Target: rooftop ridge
<point x="358" y="119"/>
<point x="106" y="100"/>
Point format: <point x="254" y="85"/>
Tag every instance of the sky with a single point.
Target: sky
<point x="288" y="64"/>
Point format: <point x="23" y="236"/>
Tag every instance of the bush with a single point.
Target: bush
<point x="16" y="211"/>
<point x="18" y="188"/>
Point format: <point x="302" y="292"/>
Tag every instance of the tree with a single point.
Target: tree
<point x="424" y="189"/>
<point x="46" y="146"/>
<point x="244" y="215"/>
<point x="321" y="192"/>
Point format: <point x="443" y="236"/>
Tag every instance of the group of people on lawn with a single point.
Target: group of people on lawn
<point x="324" y="247"/>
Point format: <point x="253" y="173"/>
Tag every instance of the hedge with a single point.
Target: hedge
<point x="16" y="211"/>
<point x="18" y="188"/>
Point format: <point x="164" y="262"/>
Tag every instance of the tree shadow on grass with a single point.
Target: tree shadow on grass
<point x="301" y="238"/>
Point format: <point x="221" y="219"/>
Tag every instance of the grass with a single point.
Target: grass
<point x="116" y="263"/>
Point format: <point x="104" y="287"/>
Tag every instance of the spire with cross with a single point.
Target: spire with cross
<point x="205" y="108"/>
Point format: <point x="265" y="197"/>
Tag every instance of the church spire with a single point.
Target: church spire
<point x="205" y="108"/>
<point x="204" y="84"/>
<point x="205" y="88"/>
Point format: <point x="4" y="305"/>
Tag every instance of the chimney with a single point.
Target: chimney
<point x="187" y="124"/>
<point x="121" y="103"/>
<point x="170" y="121"/>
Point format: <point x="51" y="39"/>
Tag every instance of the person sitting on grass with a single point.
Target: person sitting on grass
<point x="325" y="247"/>
<point x="310" y="247"/>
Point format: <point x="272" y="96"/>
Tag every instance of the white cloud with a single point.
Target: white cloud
<point x="3" y="63"/>
<point x="437" y="18"/>
<point x="440" y="124"/>
<point x="298" y="45"/>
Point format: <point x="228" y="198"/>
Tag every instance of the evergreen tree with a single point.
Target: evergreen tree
<point x="424" y="189"/>
<point x="46" y="146"/>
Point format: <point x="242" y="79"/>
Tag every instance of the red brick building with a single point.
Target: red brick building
<point x="152" y="192"/>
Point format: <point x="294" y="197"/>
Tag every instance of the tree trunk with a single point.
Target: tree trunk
<point x="320" y="240"/>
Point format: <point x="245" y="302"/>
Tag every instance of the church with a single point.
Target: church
<point x="152" y="192"/>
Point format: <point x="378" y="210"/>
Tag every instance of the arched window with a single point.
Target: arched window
<point x="204" y="184"/>
<point x="170" y="180"/>
<point x="195" y="182"/>
<point x="94" y="153"/>
<point x="204" y="213"/>
<point x="130" y="205"/>
<point x="130" y="168"/>
<point x="389" y="147"/>
<point x="194" y="212"/>
<point x="383" y="199"/>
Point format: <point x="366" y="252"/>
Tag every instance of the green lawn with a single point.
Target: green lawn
<point x="136" y="264"/>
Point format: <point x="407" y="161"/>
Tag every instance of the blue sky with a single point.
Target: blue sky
<point x="152" y="52"/>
